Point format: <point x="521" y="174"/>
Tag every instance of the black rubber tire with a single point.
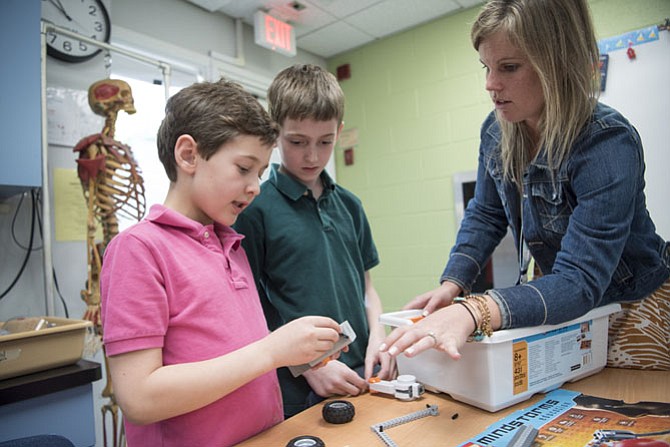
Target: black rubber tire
<point x="306" y="441"/>
<point x="338" y="411"/>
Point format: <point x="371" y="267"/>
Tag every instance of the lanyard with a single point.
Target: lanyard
<point x="524" y="259"/>
<point x="524" y="252"/>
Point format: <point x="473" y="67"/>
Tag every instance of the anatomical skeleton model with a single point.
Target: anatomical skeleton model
<point x="112" y="183"/>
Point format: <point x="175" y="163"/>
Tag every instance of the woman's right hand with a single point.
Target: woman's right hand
<point x="435" y="299"/>
<point x="303" y="340"/>
<point x="446" y="330"/>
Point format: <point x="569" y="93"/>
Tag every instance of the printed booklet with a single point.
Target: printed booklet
<point x="570" y="419"/>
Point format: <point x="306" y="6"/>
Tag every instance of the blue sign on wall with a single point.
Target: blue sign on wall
<point x="631" y="38"/>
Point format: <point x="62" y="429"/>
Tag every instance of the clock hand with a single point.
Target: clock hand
<point x="59" y="6"/>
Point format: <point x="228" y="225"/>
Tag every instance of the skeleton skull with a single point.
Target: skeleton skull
<point x="110" y="96"/>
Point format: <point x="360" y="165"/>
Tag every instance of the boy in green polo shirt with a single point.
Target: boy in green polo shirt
<point x="309" y="242"/>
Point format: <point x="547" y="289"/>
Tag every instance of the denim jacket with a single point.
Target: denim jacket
<point x="587" y="228"/>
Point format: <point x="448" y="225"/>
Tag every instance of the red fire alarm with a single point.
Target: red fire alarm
<point x="343" y="72"/>
<point x="349" y="156"/>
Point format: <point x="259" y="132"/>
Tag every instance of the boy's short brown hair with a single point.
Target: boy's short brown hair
<point x="213" y="113"/>
<point x="305" y="91"/>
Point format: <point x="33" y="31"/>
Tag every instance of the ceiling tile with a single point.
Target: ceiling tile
<point x="310" y="19"/>
<point x="329" y="27"/>
<point x="245" y="9"/>
<point x="237" y="9"/>
<point x="343" y="8"/>
<point x="333" y="39"/>
<point x="391" y="16"/>
<point x="210" y="5"/>
<point x="281" y="9"/>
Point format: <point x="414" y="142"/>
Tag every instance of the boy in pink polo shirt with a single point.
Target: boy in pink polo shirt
<point x="190" y="355"/>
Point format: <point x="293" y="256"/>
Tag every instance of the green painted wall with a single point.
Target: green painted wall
<point x="417" y="100"/>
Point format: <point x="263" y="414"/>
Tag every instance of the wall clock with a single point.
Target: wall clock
<point x="86" y="17"/>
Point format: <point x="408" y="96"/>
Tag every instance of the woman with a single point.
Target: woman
<point x="566" y="173"/>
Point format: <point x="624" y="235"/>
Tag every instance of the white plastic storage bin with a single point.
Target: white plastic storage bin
<point x="511" y="365"/>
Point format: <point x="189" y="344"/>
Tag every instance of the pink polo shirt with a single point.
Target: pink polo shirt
<point x="172" y="283"/>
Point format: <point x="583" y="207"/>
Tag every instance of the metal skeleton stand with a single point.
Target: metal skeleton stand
<point x="380" y="429"/>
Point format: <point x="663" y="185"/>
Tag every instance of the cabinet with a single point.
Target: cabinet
<point x="57" y="401"/>
<point x="20" y="96"/>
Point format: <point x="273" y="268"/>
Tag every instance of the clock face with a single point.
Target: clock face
<point x="86" y="17"/>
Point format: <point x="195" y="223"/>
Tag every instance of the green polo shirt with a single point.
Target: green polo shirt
<point x="309" y="258"/>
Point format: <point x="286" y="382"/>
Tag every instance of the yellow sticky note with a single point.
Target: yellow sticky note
<point x="70" y="208"/>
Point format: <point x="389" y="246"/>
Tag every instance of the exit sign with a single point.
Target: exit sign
<point x="274" y="34"/>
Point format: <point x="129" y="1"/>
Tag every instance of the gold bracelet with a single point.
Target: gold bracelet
<point x="483" y="308"/>
<point x="477" y="334"/>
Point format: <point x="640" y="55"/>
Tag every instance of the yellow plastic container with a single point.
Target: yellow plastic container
<point x="39" y="343"/>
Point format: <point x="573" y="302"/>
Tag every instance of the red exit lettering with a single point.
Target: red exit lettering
<point x="278" y="33"/>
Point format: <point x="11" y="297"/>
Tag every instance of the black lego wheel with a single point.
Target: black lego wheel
<point x="338" y="411"/>
<point x="306" y="441"/>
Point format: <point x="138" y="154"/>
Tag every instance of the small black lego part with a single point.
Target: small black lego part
<point x="338" y="411"/>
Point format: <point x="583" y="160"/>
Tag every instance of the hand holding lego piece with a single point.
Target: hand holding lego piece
<point x="346" y="337"/>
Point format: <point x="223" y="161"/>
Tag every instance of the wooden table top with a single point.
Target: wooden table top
<point x="457" y="422"/>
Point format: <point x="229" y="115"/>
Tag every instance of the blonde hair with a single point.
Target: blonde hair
<point x="558" y="39"/>
<point x="305" y="91"/>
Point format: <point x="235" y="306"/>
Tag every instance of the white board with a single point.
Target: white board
<point x="640" y="90"/>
